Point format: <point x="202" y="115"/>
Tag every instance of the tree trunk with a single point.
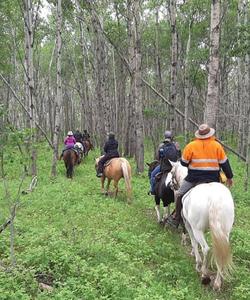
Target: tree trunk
<point x="174" y="54"/>
<point x="29" y="75"/>
<point x="58" y="101"/>
<point x="186" y="84"/>
<point x="137" y="92"/>
<point x="212" y="102"/>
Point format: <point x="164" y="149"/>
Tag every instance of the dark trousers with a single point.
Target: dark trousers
<point x="102" y="161"/>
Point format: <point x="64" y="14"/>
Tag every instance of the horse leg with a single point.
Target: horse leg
<point x="194" y="244"/>
<point x="199" y="236"/>
<point x="217" y="281"/>
<point x="116" y="187"/>
<point x="102" y="184"/>
<point x="157" y="209"/>
<point x="158" y="214"/>
<point x="166" y="212"/>
<point x="107" y="186"/>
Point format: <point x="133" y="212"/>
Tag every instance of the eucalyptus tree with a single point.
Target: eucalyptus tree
<point x="212" y="101"/>
<point x="58" y="101"/>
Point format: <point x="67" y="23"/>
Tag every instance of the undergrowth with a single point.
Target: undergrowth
<point x="88" y="246"/>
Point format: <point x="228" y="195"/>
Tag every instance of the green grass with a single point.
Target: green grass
<point x="88" y="246"/>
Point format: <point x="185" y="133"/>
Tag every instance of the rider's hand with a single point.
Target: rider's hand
<point x="229" y="182"/>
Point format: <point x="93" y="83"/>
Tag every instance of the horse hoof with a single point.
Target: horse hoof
<point x="205" y="280"/>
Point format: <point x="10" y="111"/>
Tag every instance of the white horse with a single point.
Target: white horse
<point x="208" y="206"/>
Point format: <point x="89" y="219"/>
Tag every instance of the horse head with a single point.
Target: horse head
<point x="152" y="165"/>
<point x="97" y="159"/>
<point x="178" y="171"/>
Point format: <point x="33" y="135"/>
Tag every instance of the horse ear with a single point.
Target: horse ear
<point x="172" y="163"/>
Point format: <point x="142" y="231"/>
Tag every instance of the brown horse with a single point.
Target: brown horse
<point x="115" y="169"/>
<point x="70" y="160"/>
<point x="87" y="146"/>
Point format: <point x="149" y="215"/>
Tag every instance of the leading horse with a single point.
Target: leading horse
<point x="115" y="169"/>
<point x="208" y="206"/>
<point x="70" y="160"/>
<point x="163" y="192"/>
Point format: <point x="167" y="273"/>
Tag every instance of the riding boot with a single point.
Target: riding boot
<point x="178" y="208"/>
<point x="172" y="220"/>
<point x="99" y="172"/>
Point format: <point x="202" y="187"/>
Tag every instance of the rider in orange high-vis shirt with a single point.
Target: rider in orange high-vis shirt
<point x="204" y="157"/>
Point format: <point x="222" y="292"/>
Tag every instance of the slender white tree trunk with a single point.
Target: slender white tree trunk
<point x="29" y="75"/>
<point x="58" y="101"/>
<point x="139" y="130"/>
<point x="186" y="85"/>
<point x="212" y="102"/>
<point x="174" y="54"/>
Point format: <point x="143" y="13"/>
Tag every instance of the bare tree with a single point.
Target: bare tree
<point x="212" y="102"/>
<point x="174" y="54"/>
<point x="58" y="101"/>
<point x="29" y="27"/>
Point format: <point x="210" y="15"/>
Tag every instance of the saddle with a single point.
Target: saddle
<point x="108" y="162"/>
<point x="158" y="176"/>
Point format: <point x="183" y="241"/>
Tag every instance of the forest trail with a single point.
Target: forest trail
<point x="89" y="246"/>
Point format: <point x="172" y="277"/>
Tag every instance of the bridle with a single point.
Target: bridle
<point x="174" y="185"/>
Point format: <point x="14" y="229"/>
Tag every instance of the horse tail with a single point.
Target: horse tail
<point x="220" y="239"/>
<point x="69" y="164"/>
<point x="127" y="177"/>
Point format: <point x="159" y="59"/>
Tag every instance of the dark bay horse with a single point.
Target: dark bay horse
<point x="87" y="146"/>
<point x="162" y="192"/>
<point x="70" y="160"/>
<point x="115" y="169"/>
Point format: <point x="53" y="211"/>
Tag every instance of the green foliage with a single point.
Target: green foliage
<point x="88" y="246"/>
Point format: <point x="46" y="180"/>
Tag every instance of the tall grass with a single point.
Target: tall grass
<point x="89" y="246"/>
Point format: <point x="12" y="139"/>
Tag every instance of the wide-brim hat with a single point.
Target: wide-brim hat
<point x="70" y="133"/>
<point x="204" y="132"/>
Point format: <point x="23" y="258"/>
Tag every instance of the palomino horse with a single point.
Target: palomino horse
<point x="162" y="191"/>
<point x="87" y="146"/>
<point x="70" y="160"/>
<point x="208" y="206"/>
<point x="115" y="169"/>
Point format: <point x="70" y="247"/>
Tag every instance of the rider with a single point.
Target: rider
<point x="111" y="151"/>
<point x="78" y="136"/>
<point x="69" y="142"/>
<point x="85" y="135"/>
<point x="204" y="157"/>
<point x="167" y="150"/>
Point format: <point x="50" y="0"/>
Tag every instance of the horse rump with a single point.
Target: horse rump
<point x="69" y="157"/>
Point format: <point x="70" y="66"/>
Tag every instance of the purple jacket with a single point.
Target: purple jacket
<point x="70" y="141"/>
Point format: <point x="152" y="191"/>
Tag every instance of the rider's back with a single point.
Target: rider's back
<point x="167" y="152"/>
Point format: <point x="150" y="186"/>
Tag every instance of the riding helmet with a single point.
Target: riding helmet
<point x="70" y="133"/>
<point x="111" y="135"/>
<point x="168" y="134"/>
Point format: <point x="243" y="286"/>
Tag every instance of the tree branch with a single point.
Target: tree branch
<point x="25" y="109"/>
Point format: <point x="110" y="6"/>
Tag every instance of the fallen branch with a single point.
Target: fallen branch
<point x="10" y="220"/>
<point x="32" y="185"/>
